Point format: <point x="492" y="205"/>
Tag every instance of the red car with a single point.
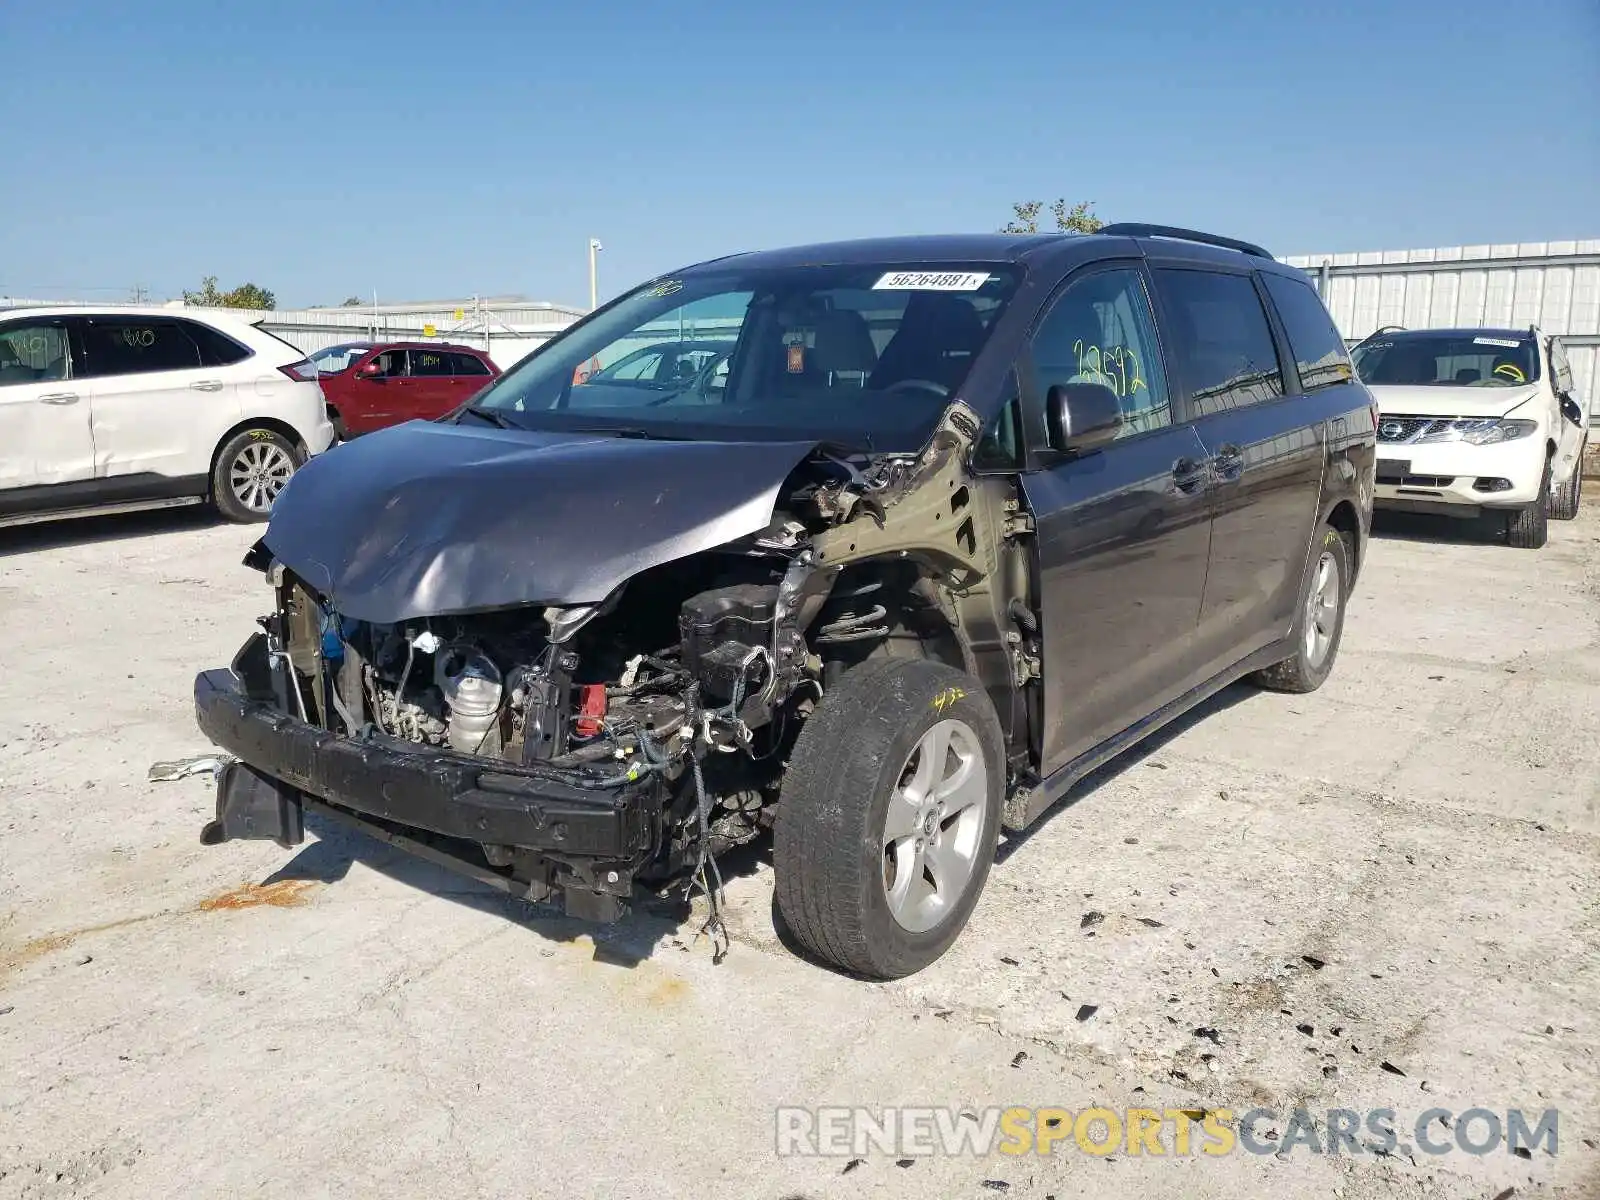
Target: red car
<point x="370" y="385"/>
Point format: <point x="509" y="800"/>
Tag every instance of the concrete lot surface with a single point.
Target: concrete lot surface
<point x="1401" y="869"/>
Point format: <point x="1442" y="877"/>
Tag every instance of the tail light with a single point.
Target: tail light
<point x="304" y="371"/>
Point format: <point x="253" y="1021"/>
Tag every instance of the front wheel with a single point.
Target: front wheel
<point x="1319" y="627"/>
<point x="252" y="468"/>
<point x="888" y="817"/>
<point x="1528" y="527"/>
<point x="1565" y="500"/>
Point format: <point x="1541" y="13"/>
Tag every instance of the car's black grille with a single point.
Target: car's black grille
<point x="1405" y="429"/>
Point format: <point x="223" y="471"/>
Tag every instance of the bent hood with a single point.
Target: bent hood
<point x="425" y="519"/>
<point x="1442" y="400"/>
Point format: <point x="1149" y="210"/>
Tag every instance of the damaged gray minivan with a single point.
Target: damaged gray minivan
<point x="878" y="546"/>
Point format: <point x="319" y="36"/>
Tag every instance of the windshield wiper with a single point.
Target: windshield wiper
<point x="493" y="416"/>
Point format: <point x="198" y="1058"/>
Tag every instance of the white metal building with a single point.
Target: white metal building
<point x="1555" y="285"/>
<point x="509" y="328"/>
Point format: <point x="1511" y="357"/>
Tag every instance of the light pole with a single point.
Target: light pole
<point x="594" y="273"/>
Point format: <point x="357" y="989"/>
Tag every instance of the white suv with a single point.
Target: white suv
<point x="1477" y="421"/>
<point x="122" y="409"/>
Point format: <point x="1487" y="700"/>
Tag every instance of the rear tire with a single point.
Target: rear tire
<point x="252" y="468"/>
<point x="881" y="849"/>
<point x="1528" y="527"/>
<point x="1319" y="623"/>
<point x="1566" y="499"/>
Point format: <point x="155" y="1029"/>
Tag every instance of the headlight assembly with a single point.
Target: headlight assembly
<point x="1480" y="431"/>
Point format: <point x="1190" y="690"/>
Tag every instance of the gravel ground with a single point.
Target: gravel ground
<point x="1380" y="895"/>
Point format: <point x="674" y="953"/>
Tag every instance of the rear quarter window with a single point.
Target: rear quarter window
<point x="467" y="364"/>
<point x="216" y="348"/>
<point x="1319" y="351"/>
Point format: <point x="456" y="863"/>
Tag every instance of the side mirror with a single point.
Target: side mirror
<point x="1570" y="409"/>
<point x="373" y="370"/>
<point x="1082" y="416"/>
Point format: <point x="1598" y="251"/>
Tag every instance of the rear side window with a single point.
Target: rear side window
<point x="430" y="362"/>
<point x="1319" y="352"/>
<point x="1221" y="341"/>
<point x="466" y="364"/>
<point x="131" y="346"/>
<point x="216" y="348"/>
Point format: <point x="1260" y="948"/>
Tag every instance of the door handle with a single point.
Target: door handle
<point x="1228" y="463"/>
<point x="59" y="398"/>
<point x="1189" y="476"/>
<point x="206" y="385"/>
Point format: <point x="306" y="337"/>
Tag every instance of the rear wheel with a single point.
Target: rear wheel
<point x="1319" y="628"/>
<point x="1528" y="527"/>
<point x="1565" y="500"/>
<point x="888" y="817"/>
<point x="251" y="470"/>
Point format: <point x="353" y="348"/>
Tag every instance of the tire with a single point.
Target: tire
<point x="856" y="892"/>
<point x="251" y="470"/>
<point x="1528" y="527"/>
<point x="341" y="432"/>
<point x="1566" y="499"/>
<point x="1319" y="619"/>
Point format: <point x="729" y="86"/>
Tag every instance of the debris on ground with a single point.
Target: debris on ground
<point x="182" y="768"/>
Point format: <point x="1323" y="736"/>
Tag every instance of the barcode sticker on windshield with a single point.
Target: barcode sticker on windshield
<point x="931" y="281"/>
<point x="1508" y="343"/>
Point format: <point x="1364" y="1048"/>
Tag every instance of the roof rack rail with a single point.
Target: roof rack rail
<point x="1380" y="331"/>
<point x="1137" y="229"/>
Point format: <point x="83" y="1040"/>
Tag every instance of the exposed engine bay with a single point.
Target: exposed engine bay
<point x="687" y="685"/>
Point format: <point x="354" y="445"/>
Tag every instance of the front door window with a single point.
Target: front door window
<point x="1101" y="330"/>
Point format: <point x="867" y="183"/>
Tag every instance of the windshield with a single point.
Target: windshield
<point x="865" y="355"/>
<point x="337" y="358"/>
<point x="1448" y="360"/>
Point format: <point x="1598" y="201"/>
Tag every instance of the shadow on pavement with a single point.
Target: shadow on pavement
<point x="1144" y="751"/>
<point x="113" y="527"/>
<point x="654" y="922"/>
<point x="1429" y="527"/>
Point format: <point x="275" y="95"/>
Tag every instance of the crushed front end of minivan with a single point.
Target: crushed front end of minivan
<point x="436" y="668"/>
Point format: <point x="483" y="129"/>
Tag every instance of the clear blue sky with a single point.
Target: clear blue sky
<point x="443" y="149"/>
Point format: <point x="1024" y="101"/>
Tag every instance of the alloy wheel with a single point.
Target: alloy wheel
<point x="933" y="829"/>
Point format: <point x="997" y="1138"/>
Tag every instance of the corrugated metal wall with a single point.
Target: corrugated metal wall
<point x="1555" y="285"/>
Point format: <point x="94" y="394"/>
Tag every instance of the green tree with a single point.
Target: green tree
<point x="1069" y="218"/>
<point x="246" y="295"/>
<point x="352" y="302"/>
